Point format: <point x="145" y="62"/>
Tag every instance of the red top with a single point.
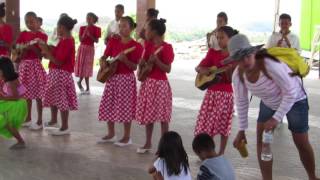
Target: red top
<point x="26" y="37"/>
<point x="6" y="35"/>
<point x="93" y="30"/>
<point x="215" y="58"/>
<point x="115" y="47"/>
<point x="166" y="55"/>
<point x="64" y="52"/>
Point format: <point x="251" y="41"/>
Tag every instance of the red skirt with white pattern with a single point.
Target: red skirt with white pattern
<point x="118" y="103"/>
<point x="33" y="76"/>
<point x="60" y="91"/>
<point x="154" y="102"/>
<point x="215" y="115"/>
<point x="84" y="62"/>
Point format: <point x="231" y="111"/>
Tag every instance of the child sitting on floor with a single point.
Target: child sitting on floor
<point x="172" y="160"/>
<point x="213" y="167"/>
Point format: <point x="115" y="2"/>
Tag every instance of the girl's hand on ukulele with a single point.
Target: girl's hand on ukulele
<point x="153" y="59"/>
<point x="205" y="71"/>
<point x="122" y="57"/>
<point x="102" y="62"/>
<point x="44" y="48"/>
<point x="112" y="65"/>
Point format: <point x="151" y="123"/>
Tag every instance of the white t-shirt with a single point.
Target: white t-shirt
<point x="113" y="27"/>
<point x="276" y="36"/>
<point x="213" y="42"/>
<point x="161" y="167"/>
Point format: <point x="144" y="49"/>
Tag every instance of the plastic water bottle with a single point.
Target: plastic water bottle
<point x="266" y="154"/>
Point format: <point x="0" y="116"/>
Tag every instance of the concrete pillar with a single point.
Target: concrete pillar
<point x="142" y="7"/>
<point x="13" y="15"/>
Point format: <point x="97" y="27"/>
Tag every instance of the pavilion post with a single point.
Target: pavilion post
<point x="13" y="15"/>
<point x="142" y="7"/>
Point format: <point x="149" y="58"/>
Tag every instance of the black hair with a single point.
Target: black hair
<point x="94" y="16"/>
<point x="228" y="30"/>
<point x="131" y="22"/>
<point x="120" y="6"/>
<point x="158" y="25"/>
<point x="2" y="10"/>
<point x="7" y="68"/>
<point x="223" y="15"/>
<point x="285" y="16"/>
<point x="260" y="61"/>
<point x="152" y="12"/>
<point x="67" y="22"/>
<point x="171" y="150"/>
<point x="63" y="14"/>
<point x="31" y="14"/>
<point x="40" y="19"/>
<point x="203" y="142"/>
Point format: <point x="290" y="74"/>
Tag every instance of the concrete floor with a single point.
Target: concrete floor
<point x="78" y="157"/>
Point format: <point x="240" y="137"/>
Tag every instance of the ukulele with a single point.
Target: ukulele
<point x="204" y="81"/>
<point x="145" y="69"/>
<point x="18" y="49"/>
<point x="106" y="71"/>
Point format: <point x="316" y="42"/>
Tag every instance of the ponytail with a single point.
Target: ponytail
<point x="229" y="31"/>
<point x="67" y="22"/>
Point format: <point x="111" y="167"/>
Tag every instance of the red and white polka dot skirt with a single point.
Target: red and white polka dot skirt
<point x="33" y="76"/>
<point x="215" y="115"/>
<point x="154" y="102"/>
<point x="84" y="62"/>
<point x="60" y="91"/>
<point x="118" y="103"/>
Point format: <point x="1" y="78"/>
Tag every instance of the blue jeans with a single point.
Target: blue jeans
<point x="298" y="116"/>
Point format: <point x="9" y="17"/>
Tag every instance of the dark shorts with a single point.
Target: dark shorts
<point x="298" y="116"/>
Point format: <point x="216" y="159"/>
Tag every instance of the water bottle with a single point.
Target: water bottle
<point x="266" y="153"/>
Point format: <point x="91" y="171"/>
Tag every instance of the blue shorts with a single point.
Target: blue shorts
<point x="298" y="116"/>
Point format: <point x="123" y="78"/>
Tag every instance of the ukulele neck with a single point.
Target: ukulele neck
<point x="220" y="70"/>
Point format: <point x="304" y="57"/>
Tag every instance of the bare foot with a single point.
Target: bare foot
<point x="109" y="136"/>
<point x="124" y="140"/>
<point x="80" y="86"/>
<point x="51" y="123"/>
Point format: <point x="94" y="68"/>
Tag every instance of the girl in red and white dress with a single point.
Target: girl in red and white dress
<point x="215" y="116"/>
<point x="31" y="72"/>
<point x="118" y="103"/>
<point x="60" y="93"/>
<point x="155" y="96"/>
<point x="6" y="34"/>
<point x="88" y="35"/>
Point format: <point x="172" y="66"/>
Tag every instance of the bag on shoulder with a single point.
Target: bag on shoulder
<point x="292" y="58"/>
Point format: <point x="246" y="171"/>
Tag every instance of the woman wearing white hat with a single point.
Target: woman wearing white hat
<point x="280" y="93"/>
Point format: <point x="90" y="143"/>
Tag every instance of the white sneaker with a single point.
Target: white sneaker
<point x="143" y="150"/>
<point x="120" y="144"/>
<point x="27" y="124"/>
<point x="35" y="127"/>
<point x="46" y="124"/>
<point x="58" y="132"/>
<point x="103" y="141"/>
